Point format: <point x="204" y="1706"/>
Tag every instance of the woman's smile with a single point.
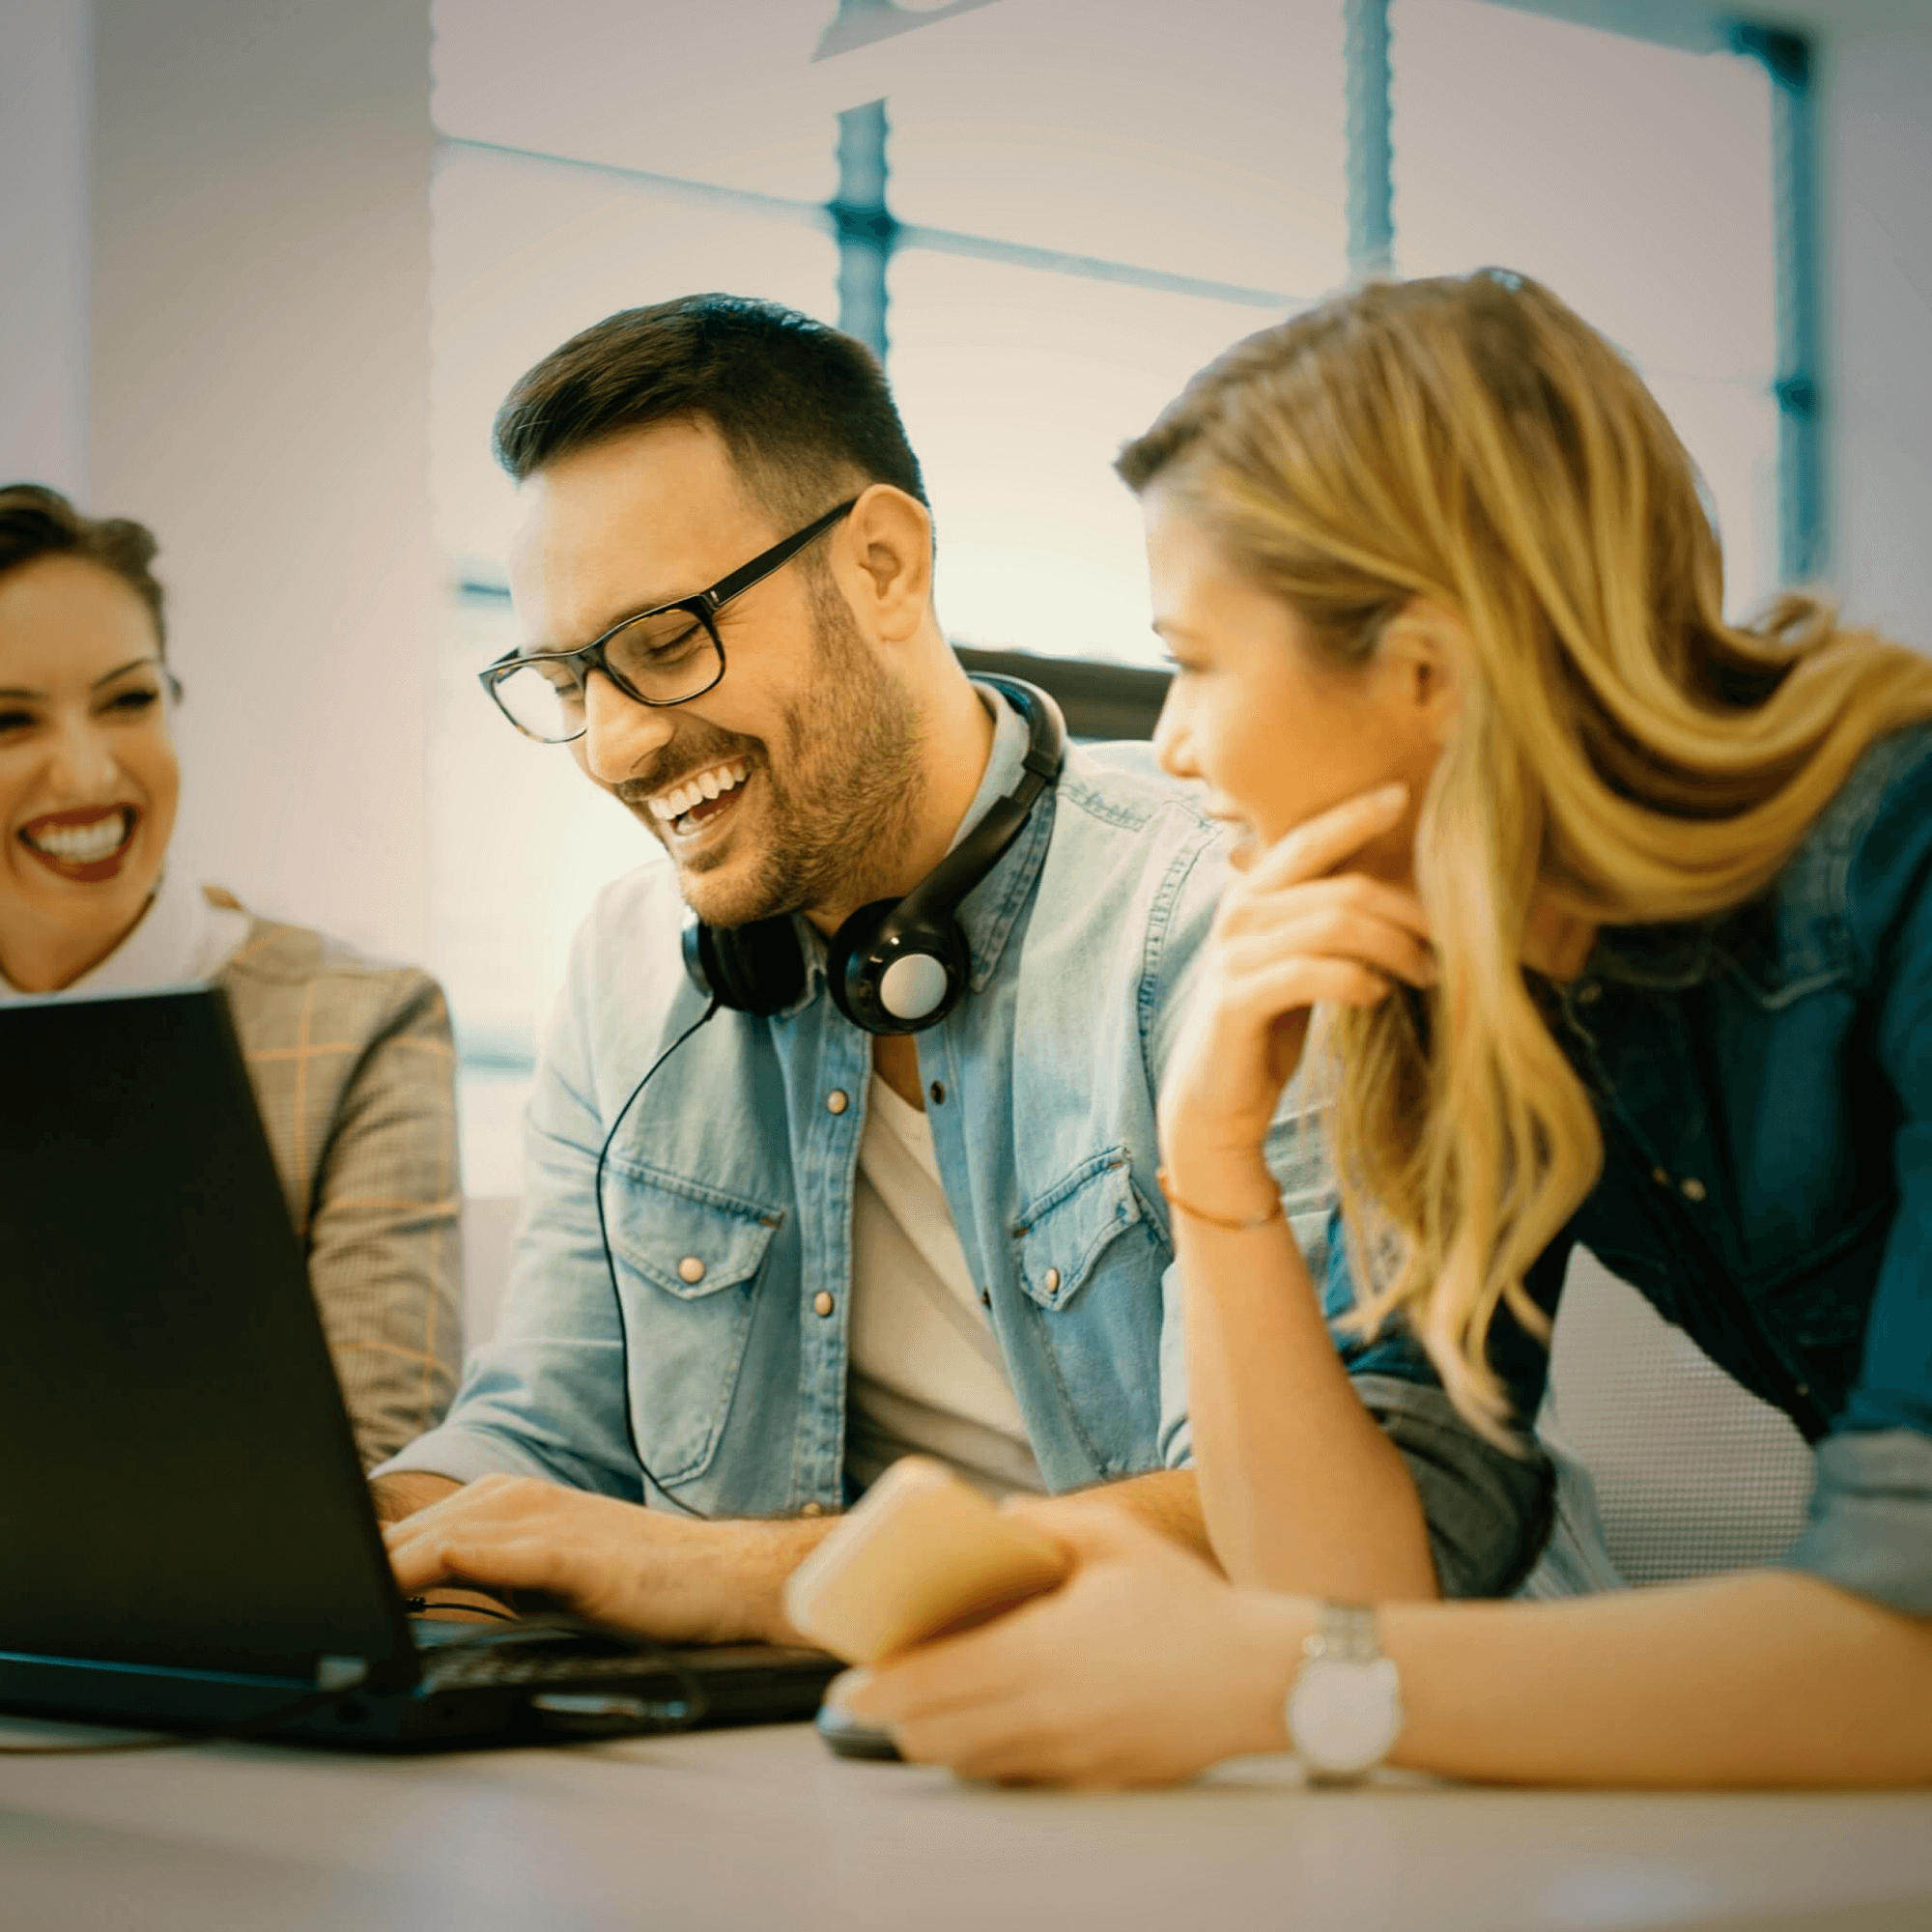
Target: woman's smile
<point x="88" y="781"/>
<point x="88" y="844"/>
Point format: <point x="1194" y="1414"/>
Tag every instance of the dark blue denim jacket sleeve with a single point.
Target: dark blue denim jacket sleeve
<point x="1871" y="1529"/>
<point x="1487" y="1508"/>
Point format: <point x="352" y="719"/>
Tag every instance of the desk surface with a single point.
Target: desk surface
<point x="763" y="1829"/>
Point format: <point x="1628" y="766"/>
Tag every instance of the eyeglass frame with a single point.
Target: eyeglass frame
<point x="704" y="606"/>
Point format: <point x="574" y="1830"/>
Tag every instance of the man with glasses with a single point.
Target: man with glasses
<point x="798" y="1249"/>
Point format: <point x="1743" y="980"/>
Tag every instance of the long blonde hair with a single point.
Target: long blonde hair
<point x="1622" y="754"/>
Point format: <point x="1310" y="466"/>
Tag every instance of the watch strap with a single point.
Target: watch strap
<point x="1344" y="1636"/>
<point x="1343" y="1631"/>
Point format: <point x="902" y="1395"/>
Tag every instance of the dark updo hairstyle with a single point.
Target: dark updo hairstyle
<point x="36" y="521"/>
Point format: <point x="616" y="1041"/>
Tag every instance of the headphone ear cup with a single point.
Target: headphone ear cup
<point x="758" y="968"/>
<point x="889" y="981"/>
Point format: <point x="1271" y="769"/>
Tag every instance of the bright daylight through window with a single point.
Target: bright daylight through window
<point x="1083" y="205"/>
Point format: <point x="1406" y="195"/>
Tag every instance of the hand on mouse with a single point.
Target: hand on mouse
<point x="1142" y="1669"/>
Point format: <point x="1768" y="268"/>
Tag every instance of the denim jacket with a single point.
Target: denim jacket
<point x="1764" y="1085"/>
<point x="718" y="1373"/>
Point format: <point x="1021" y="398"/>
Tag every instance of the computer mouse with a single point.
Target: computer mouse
<point x="845" y="1735"/>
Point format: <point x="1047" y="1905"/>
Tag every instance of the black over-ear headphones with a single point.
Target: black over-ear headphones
<point x="895" y="965"/>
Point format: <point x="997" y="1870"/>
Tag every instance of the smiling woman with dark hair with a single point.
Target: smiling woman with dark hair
<point x="351" y="1059"/>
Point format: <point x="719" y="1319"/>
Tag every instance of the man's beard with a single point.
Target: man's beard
<point x="842" y="792"/>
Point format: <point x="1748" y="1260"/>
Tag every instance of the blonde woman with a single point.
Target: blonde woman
<point x="350" y="1059"/>
<point x="1614" y="925"/>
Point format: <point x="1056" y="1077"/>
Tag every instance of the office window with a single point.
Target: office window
<point x="1144" y="186"/>
<point x="1637" y="181"/>
<point x="1082" y="205"/>
<point x="1018" y="386"/>
<point x="558" y="199"/>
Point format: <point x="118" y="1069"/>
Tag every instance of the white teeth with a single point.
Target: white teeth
<point x="82" y="844"/>
<point x="673" y="805"/>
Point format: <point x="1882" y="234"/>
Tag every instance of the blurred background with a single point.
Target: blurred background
<point x="267" y="268"/>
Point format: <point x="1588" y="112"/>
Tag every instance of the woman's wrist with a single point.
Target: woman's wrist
<point x="1224" y="1185"/>
<point x="1262" y="1657"/>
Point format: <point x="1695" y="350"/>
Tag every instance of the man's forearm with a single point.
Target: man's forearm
<point x="753" y="1560"/>
<point x="758" y="1559"/>
<point x="1166" y="1500"/>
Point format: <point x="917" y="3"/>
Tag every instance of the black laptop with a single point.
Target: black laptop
<point x="186" y="1535"/>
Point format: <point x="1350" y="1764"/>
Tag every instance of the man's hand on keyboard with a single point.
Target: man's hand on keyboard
<point x="609" y="1562"/>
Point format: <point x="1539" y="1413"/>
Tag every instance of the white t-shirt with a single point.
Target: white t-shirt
<point x="925" y="1373"/>
<point x="180" y="940"/>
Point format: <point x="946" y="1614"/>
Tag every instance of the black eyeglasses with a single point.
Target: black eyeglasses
<point x="668" y="655"/>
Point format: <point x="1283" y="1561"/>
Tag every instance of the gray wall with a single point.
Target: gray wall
<point x="1877" y="169"/>
<point x="260" y="376"/>
<point x="44" y="230"/>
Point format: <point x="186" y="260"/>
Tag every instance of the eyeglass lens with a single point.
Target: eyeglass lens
<point x="665" y="659"/>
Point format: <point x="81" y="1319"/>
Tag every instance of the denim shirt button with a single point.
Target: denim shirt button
<point x="690" y="1269"/>
<point x="838" y="1100"/>
<point x="1694" y="1189"/>
<point x="938" y="1091"/>
<point x="1051" y="1282"/>
<point x="1588" y="992"/>
<point x="812" y="1509"/>
<point x="821" y="1304"/>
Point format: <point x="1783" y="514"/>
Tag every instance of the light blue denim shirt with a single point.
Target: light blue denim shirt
<point x="729" y="1190"/>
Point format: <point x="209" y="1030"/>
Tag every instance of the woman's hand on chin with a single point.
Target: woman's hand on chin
<point x="1143" y="1668"/>
<point x="1293" y="930"/>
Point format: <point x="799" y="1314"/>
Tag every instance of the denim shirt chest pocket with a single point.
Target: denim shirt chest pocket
<point x="686" y="1256"/>
<point x="1061" y="1237"/>
<point x="1080" y="1244"/>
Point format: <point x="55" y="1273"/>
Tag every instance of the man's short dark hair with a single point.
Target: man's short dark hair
<point x="37" y="522"/>
<point x="804" y="409"/>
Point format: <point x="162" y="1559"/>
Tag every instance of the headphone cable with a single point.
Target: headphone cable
<point x="610" y="1263"/>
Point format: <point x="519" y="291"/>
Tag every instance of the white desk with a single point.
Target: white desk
<point x="739" y="1832"/>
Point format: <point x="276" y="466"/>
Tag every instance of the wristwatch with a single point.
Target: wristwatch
<point x="1345" y="1706"/>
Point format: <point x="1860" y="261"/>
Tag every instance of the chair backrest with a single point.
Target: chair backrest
<point x="489" y="1232"/>
<point x="1693" y="1473"/>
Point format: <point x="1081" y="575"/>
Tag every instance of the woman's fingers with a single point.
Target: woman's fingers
<point x="1325" y="933"/>
<point x="1248" y="910"/>
<point x="1320" y="844"/>
<point x="1288" y="985"/>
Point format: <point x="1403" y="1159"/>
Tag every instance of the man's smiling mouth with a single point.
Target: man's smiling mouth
<point x="687" y="806"/>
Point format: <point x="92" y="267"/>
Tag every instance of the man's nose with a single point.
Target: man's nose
<point x="619" y="734"/>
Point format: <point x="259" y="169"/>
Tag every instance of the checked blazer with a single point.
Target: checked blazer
<point x="354" y="1072"/>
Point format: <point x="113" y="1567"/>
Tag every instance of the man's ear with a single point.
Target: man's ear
<point x="1423" y="663"/>
<point x="888" y="575"/>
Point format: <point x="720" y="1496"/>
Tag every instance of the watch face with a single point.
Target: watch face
<point x="1344" y="1716"/>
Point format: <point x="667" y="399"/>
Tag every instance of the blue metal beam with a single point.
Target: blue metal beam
<point x="1803" y="540"/>
<point x="1371" y="150"/>
<point x="864" y="225"/>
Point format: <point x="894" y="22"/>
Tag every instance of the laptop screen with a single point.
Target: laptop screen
<point x="179" y="1486"/>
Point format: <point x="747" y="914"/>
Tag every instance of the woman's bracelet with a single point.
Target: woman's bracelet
<point x="1273" y="1213"/>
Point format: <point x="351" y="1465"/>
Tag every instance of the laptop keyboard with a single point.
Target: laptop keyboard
<point x="522" y="1663"/>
